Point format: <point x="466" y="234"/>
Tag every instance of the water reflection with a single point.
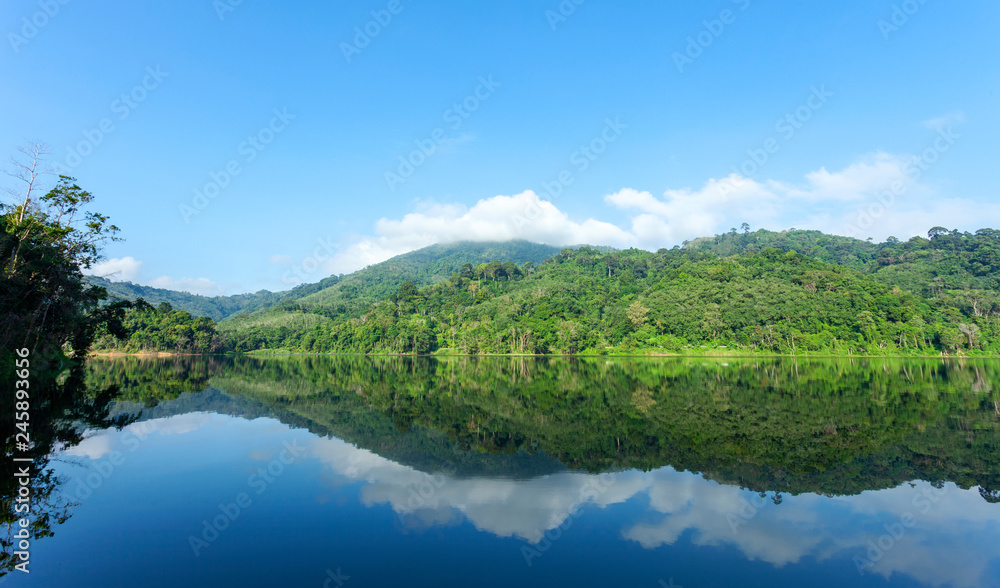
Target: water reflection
<point x="937" y="534"/>
<point x="886" y="469"/>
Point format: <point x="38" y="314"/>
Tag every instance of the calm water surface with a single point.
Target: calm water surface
<point x="501" y="472"/>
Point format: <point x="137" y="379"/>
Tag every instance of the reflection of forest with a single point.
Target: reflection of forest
<point x="837" y="426"/>
<point x="827" y="426"/>
<point x="61" y="410"/>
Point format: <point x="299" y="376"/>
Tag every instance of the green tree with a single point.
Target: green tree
<point x="637" y="314"/>
<point x="45" y="242"/>
<point x="407" y="290"/>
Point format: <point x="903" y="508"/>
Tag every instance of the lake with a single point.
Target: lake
<point x="379" y="471"/>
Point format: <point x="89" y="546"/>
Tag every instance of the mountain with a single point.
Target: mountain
<point x="732" y="292"/>
<point x="760" y="292"/>
<point x="305" y="306"/>
<point x="422" y="267"/>
<point x="216" y="308"/>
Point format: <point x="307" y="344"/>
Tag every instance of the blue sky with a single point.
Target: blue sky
<point x="583" y="121"/>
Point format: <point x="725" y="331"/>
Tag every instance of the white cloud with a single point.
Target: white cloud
<point x="174" y="425"/>
<point x="932" y="542"/>
<point x="688" y="214"/>
<point x="961" y="213"/>
<point x="123" y="269"/>
<point x="821" y="201"/>
<point x="507" y="508"/>
<point x="942" y="122"/>
<point x="877" y="196"/>
<point x="500" y="218"/>
<point x="93" y="447"/>
<point x="101" y="443"/>
<point x="857" y="181"/>
<point x="129" y="269"/>
<point x="202" y="286"/>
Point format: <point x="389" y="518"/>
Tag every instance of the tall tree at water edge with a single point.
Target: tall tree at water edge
<point x="46" y="240"/>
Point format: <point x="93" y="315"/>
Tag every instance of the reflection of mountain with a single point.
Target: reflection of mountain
<point x="826" y="426"/>
<point x="944" y="535"/>
<point x="512" y="448"/>
<point x="936" y="548"/>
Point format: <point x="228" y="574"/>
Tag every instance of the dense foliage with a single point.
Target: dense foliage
<point x="351" y="294"/>
<point x="162" y="329"/>
<point x="731" y="294"/>
<point x="44" y="303"/>
<point x="50" y="316"/>
<point x="950" y="268"/>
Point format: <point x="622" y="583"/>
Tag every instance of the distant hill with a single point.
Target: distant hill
<point x="424" y="267"/>
<point x="948" y="265"/>
<point x="216" y="308"/>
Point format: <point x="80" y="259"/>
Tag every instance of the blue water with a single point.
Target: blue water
<point x="337" y="514"/>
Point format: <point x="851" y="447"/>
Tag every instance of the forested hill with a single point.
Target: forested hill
<point x="352" y="293"/>
<point x="845" y="251"/>
<point x="947" y="261"/>
<point x="422" y="267"/>
<point x="752" y="292"/>
<point x="770" y="300"/>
